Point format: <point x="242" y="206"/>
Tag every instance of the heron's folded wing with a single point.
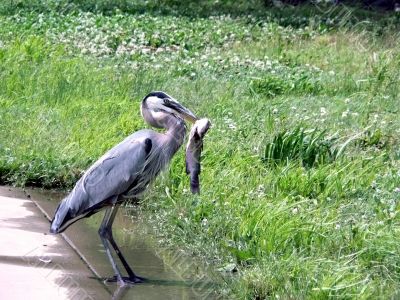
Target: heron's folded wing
<point x="113" y="173"/>
<point x="109" y="177"/>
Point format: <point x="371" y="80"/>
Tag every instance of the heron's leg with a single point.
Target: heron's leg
<point x="128" y="269"/>
<point x="103" y="232"/>
<point x="106" y="230"/>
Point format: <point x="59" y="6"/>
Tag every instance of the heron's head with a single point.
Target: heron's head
<point x="158" y="107"/>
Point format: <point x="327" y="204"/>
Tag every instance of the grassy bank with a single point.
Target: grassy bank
<point x="300" y="183"/>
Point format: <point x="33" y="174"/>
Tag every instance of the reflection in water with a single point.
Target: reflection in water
<point x="120" y="292"/>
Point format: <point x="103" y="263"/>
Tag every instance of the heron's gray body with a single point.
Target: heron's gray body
<point x="123" y="172"/>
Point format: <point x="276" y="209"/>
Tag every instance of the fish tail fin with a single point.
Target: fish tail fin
<point x="194" y="183"/>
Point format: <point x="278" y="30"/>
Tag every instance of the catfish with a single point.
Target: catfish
<point x="193" y="153"/>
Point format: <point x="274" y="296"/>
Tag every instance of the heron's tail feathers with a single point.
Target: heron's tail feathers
<point x="61" y="217"/>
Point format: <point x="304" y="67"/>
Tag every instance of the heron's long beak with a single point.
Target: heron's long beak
<point x="188" y="115"/>
<point x="185" y="113"/>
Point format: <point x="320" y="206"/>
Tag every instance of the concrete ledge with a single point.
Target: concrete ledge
<point x="35" y="264"/>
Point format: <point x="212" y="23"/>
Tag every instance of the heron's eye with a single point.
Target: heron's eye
<point x="167" y="101"/>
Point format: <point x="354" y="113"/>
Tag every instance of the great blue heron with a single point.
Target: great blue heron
<point x="125" y="171"/>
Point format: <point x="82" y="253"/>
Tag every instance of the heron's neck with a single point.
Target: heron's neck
<point x="175" y="135"/>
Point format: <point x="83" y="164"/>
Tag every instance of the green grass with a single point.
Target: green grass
<point x="311" y="148"/>
<point x="300" y="180"/>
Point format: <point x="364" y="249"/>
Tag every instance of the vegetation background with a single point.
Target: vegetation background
<point x="301" y="182"/>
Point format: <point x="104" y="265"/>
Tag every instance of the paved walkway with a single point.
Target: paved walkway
<point x="37" y="265"/>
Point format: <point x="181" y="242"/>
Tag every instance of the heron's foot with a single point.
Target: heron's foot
<point x="126" y="279"/>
